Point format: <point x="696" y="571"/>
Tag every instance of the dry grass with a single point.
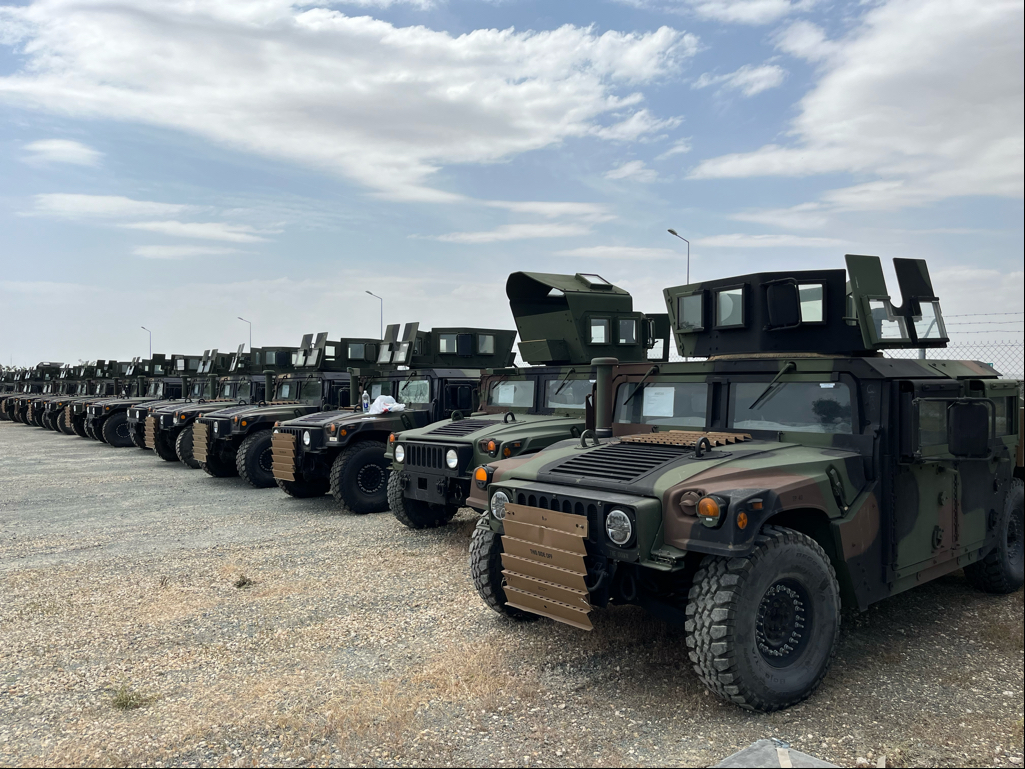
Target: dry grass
<point x="124" y="697"/>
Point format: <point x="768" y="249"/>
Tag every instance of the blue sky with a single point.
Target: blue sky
<point x="176" y="165"/>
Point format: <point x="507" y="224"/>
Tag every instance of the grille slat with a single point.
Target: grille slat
<point x="425" y="456"/>
<point x="462" y="427"/>
<point x="620" y="461"/>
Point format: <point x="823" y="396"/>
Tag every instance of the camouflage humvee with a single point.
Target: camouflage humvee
<point x="110" y="382"/>
<point x="148" y="381"/>
<point x="77" y="382"/>
<point x="34" y="405"/>
<point x="169" y="428"/>
<point x="563" y="322"/>
<point x="748" y="495"/>
<point x="344" y="453"/>
<point x="237" y="440"/>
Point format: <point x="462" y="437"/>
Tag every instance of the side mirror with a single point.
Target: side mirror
<point x="968" y="430"/>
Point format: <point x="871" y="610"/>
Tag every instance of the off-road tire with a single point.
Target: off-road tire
<point x="789" y="581"/>
<point x="96" y="430"/>
<point x="1002" y="571"/>
<point x="37" y="418"/>
<point x="163" y="445"/>
<point x="486" y="572"/>
<point x="217" y="467"/>
<point x="183" y="448"/>
<point x="63" y="425"/>
<point x="117" y="431"/>
<point x="415" y="513"/>
<point x="253" y="460"/>
<point x="46" y="420"/>
<point x="359" y="478"/>
<point x="318" y="487"/>
<point x="78" y="426"/>
<point x="139" y="439"/>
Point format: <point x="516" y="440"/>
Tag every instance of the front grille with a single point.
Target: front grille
<point x="425" y="455"/>
<point x="620" y="462"/>
<point x="462" y="427"/>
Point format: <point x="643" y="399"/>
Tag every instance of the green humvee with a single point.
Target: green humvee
<point x="34" y="405"/>
<point x="563" y="322"/>
<point x="79" y="384"/>
<point x="35" y="383"/>
<point x="237" y="440"/>
<point x="749" y="495"/>
<point x="427" y="376"/>
<point x="110" y="382"/>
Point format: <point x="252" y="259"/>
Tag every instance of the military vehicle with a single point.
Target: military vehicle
<point x="91" y="380"/>
<point x="110" y="382"/>
<point x="65" y="383"/>
<point x="13" y="384"/>
<point x="34" y="383"/>
<point x="563" y="322"/>
<point x="747" y="496"/>
<point x="426" y="375"/>
<point x="237" y="440"/>
<point x="169" y="429"/>
<point x="159" y="378"/>
<point x="199" y="385"/>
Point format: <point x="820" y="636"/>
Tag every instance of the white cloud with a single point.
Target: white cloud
<point x="926" y="96"/>
<point x="805" y="41"/>
<point x="680" y="147"/>
<point x="733" y="11"/>
<point x="588" y="212"/>
<point x="806" y="216"/>
<point x="71" y="206"/>
<point x="634" y="170"/>
<point x="509" y="232"/>
<point x="180" y="252"/>
<point x="381" y="105"/>
<point x="233" y="233"/>
<point x="749" y="80"/>
<point x="62" y="151"/>
<point x="765" y="241"/>
<point x="630" y="253"/>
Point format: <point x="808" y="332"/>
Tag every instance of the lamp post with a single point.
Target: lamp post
<point x="150" y="341"/>
<point x="674" y="232"/>
<point x="382" y="311"/>
<point x="250" y="331"/>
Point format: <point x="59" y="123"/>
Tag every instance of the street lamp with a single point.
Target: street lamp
<point x="674" y="232"/>
<point x="250" y="331"/>
<point x="382" y="311"/>
<point x="150" y="341"/>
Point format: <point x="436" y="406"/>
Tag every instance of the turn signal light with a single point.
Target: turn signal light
<point x="492" y="447"/>
<point x="742" y="521"/>
<point x="244" y="423"/>
<point x="708" y="508"/>
<point x="391" y="438"/>
<point x="481" y="475"/>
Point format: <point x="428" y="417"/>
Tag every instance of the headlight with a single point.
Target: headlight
<point x="217" y="427"/>
<point x="400" y="453"/>
<point x="452" y="459"/>
<point x="306" y="438"/>
<point x="618" y="527"/>
<point x="498" y="502"/>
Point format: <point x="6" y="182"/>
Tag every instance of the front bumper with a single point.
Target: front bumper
<point x="425" y="476"/>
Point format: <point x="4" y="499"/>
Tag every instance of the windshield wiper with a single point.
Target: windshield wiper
<point x="642" y="384"/>
<point x="565" y="381"/>
<point x="790" y="366"/>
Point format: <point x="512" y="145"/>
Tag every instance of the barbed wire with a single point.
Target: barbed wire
<point x="982" y="314"/>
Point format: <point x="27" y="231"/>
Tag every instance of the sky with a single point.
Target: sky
<point x="175" y="164"/>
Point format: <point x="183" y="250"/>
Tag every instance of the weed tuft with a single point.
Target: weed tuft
<point x="127" y="698"/>
<point x="243" y="581"/>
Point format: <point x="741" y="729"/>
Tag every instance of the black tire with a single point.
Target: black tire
<point x="486" y="572"/>
<point x="183" y="448"/>
<point x="78" y="425"/>
<point x="415" y="513"/>
<point x="254" y="459"/>
<point x="163" y="446"/>
<point x="117" y="431"/>
<point x="95" y="429"/>
<point x="63" y="425"/>
<point x="744" y="615"/>
<point x="1002" y="572"/>
<point x="37" y="417"/>
<point x="217" y="466"/>
<point x="359" y="478"/>
<point x="46" y="420"/>
<point x="318" y="487"/>
<point x="139" y="439"/>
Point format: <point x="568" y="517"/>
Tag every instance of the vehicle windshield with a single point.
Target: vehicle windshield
<point x="377" y="389"/>
<point x="673" y="404"/>
<point x="514" y="394"/>
<point x="415" y="391"/>
<point x="226" y="390"/>
<point x="286" y="391"/>
<point x="310" y="391"/>
<point x="155" y="388"/>
<point x="568" y="393"/>
<point x="243" y="390"/>
<point x="199" y="389"/>
<point x="808" y="407"/>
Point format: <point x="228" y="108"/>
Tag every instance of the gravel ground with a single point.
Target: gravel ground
<point x="151" y="615"/>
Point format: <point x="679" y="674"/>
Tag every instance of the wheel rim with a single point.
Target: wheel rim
<point x="267" y="460"/>
<point x="784" y="623"/>
<point x="370" y="479"/>
<point x="122" y="430"/>
<point x="1015" y="549"/>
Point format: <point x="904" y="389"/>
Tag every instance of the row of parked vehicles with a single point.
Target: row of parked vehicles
<point x="785" y="468"/>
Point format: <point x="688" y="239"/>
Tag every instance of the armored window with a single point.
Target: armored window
<point x="932" y="423"/>
<point x="312" y="356"/>
<point x="512" y="394"/>
<point x="285" y="391"/>
<point x="729" y="308"/>
<point x="599" y="331"/>
<point x="415" y="391"/>
<point x="805" y="407"/>
<point x="690" y="314"/>
<point x="1004" y="413"/>
<point x="329" y="351"/>
<point x="226" y="390"/>
<point x="486" y="344"/>
<point x="567" y="393"/>
<point x="193" y="364"/>
<point x="813" y="303"/>
<point x="888" y="327"/>
<point x="256" y="358"/>
<point x="929" y="325"/>
<point x="401" y="353"/>
<point x="447" y="344"/>
<point x="295" y="358"/>
<point x="377" y="390"/>
<point x="198" y="388"/>
<point x="384" y="356"/>
<point x="357" y="350"/>
<point x="593" y="280"/>
<point x="673" y="404"/>
<point x="628" y="331"/>
<point x="418" y="346"/>
<point x="244" y="391"/>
